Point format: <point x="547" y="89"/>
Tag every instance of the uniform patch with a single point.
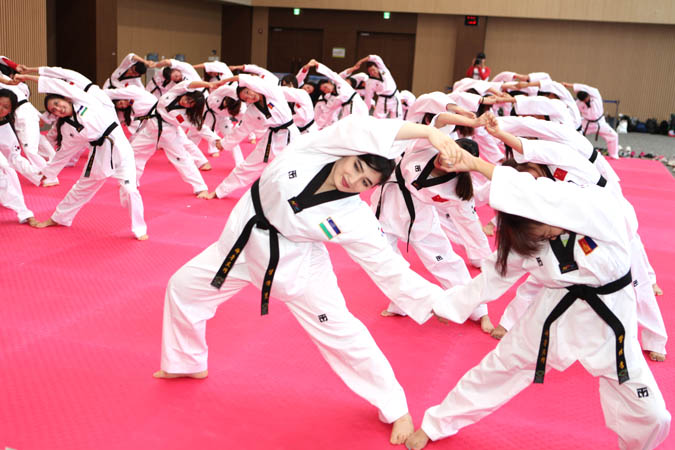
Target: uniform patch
<point x="81" y="110"/>
<point x="439" y="199"/>
<point x="439" y="258"/>
<point x="323" y="318"/>
<point x="180" y="118"/>
<point x="270" y="105"/>
<point x="329" y="228"/>
<point x="540" y="262"/>
<point x="292" y="174"/>
<point x="559" y="174"/>
<point x="418" y="168"/>
<point x="642" y="392"/>
<point x="587" y="245"/>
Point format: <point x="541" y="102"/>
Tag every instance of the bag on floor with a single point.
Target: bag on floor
<point x="652" y="126"/>
<point x="663" y="127"/>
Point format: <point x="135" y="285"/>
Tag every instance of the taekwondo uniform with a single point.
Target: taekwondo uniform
<point x="302" y="108"/>
<point x="11" y="195"/>
<point x="159" y="86"/>
<point x="407" y="100"/>
<point x="567" y="166"/>
<point x="285" y="223"/>
<point x="359" y="81"/>
<point x="532" y="127"/>
<point x="388" y="102"/>
<point x="326" y="109"/>
<point x="11" y="151"/>
<point x="271" y="113"/>
<point x="162" y="128"/>
<point x="222" y="122"/>
<point x="594" y="119"/>
<point x="408" y="207"/>
<point x="120" y="78"/>
<point x="344" y="98"/>
<point x="95" y="125"/>
<point x="558" y="328"/>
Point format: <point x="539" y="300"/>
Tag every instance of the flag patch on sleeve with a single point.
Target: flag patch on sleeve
<point x="180" y="118"/>
<point x="439" y="199"/>
<point x="329" y="228"/>
<point x="559" y="174"/>
<point x="81" y="110"/>
<point x="587" y="245"/>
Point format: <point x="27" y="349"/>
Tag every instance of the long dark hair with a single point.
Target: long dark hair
<point x="166" y="73"/>
<point x="13" y="101"/>
<point x="464" y="187"/>
<point x="125" y="111"/>
<point x="196" y="112"/>
<point x="60" y="121"/>
<point x="233" y="106"/>
<point x="515" y="233"/>
<point x="379" y="164"/>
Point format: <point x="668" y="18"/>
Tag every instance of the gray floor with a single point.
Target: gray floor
<point x="656" y="144"/>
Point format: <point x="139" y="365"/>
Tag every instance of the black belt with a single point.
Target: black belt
<point x="350" y="102"/>
<point x="269" y="137"/>
<point x="309" y="124"/>
<point x="590" y="295"/>
<point x="153" y="114"/>
<point x="213" y="114"/>
<point x="388" y="97"/>
<point x="97" y="143"/>
<point x="259" y="221"/>
<point x="602" y="182"/>
<point x="588" y="122"/>
<point x="407" y="197"/>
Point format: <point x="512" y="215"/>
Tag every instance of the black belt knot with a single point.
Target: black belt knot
<point x="97" y="143"/>
<point x="590" y="295"/>
<point x="259" y="221"/>
<point x="273" y="130"/>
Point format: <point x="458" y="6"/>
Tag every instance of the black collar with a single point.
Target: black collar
<point x="423" y="181"/>
<point x="307" y="198"/>
<point x="174" y="104"/>
<point x="262" y="107"/>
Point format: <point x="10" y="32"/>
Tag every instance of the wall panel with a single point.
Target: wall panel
<point x="23" y="35"/>
<point x="434" y="52"/>
<point x="636" y="11"/>
<point x="169" y="27"/>
<point x="633" y="63"/>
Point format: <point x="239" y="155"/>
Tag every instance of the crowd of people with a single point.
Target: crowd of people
<point x="515" y="142"/>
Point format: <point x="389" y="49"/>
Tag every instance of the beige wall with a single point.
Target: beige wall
<point x="23" y="35"/>
<point x="633" y="63"/>
<point x="637" y="11"/>
<point x="434" y="52"/>
<point x="259" y="31"/>
<point x="168" y="27"/>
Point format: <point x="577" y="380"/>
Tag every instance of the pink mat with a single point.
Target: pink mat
<point x="81" y="311"/>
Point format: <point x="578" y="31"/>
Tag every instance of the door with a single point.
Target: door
<point x="289" y="49"/>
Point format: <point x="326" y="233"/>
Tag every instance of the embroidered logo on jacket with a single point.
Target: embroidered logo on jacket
<point x="329" y="228"/>
<point x="559" y="174"/>
<point x="587" y="245"/>
<point x="323" y="318"/>
<point x="642" y="392"/>
<point x="540" y="262"/>
<point x="292" y="174"/>
<point x="270" y="105"/>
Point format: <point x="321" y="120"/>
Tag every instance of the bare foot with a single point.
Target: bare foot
<point x="486" y="324"/>
<point x="442" y="320"/>
<point x="205" y="167"/>
<point x="657" y="289"/>
<point x="206" y="195"/>
<point x="32" y="221"/>
<point x="656" y="356"/>
<point x="417" y="440"/>
<point x="53" y="183"/>
<point x="215" y="154"/>
<point x="401" y="429"/>
<point x="47" y="223"/>
<point x="489" y="229"/>
<point x="142" y="238"/>
<point x="387" y="313"/>
<point x="499" y="332"/>
<point x="196" y="375"/>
